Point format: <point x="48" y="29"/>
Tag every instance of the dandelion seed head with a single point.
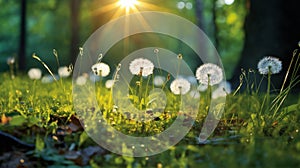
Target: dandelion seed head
<point x="209" y="71"/>
<point x="10" y="60"/>
<point x="179" y="56"/>
<point x="109" y="84"/>
<point x="189" y="5"/>
<point x="159" y="80"/>
<point x="64" y="72"/>
<point x="81" y="51"/>
<point x="35" y="73"/>
<point x="272" y="63"/>
<point x="119" y="67"/>
<point x="47" y="79"/>
<point x="180" y="86"/>
<point x="81" y="80"/>
<point x="141" y="65"/>
<point x="101" y="69"/>
<point x="180" y="5"/>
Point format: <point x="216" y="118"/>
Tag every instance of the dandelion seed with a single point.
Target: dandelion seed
<point x="180" y="86"/>
<point x="141" y="66"/>
<point x="269" y="63"/>
<point x="101" y="69"/>
<point x="209" y="72"/>
<point x="159" y="80"/>
<point x="156" y="51"/>
<point x="81" y="80"/>
<point x="10" y="60"/>
<point x="64" y="72"/>
<point x="109" y="84"/>
<point x="35" y="73"/>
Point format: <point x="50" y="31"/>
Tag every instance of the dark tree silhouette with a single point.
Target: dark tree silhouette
<point x="272" y="28"/>
<point x="75" y="13"/>
<point x="22" y="41"/>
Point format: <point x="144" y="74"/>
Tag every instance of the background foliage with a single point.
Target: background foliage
<point x="49" y="26"/>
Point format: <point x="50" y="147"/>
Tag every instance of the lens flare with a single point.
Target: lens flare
<point x="127" y="3"/>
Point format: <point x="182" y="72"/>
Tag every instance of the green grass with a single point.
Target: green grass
<point x="244" y="137"/>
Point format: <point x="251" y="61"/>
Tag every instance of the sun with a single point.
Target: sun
<point x="127" y="3"/>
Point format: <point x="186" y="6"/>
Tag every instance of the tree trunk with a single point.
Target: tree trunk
<point x="215" y="25"/>
<point x="199" y="14"/>
<point x="75" y="13"/>
<point x="22" y="41"/>
<point x="271" y="29"/>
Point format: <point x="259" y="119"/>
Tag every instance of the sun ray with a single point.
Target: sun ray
<point x="149" y="6"/>
<point x="106" y="8"/>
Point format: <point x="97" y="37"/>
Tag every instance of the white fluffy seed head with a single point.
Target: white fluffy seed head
<point x="47" y="79"/>
<point x="35" y="73"/>
<point x="81" y="80"/>
<point x="10" y="60"/>
<point x="209" y="74"/>
<point x="64" y="72"/>
<point x="272" y="64"/>
<point x="101" y="69"/>
<point x="180" y="86"/>
<point x="109" y="84"/>
<point x="141" y="65"/>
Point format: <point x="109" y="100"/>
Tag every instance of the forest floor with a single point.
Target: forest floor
<point x="39" y="128"/>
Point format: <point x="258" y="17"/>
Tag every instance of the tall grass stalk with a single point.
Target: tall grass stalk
<point x="294" y="81"/>
<point x="115" y="76"/>
<point x="45" y="65"/>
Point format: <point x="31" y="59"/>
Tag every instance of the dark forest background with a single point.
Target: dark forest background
<point x="243" y="31"/>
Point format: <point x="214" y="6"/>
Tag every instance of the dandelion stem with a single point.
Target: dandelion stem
<point x="45" y="65"/>
<point x="158" y="62"/>
<point x="208" y="90"/>
<point x="140" y="91"/>
<point x="146" y="92"/>
<point x="268" y="90"/>
<point x="179" y="64"/>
